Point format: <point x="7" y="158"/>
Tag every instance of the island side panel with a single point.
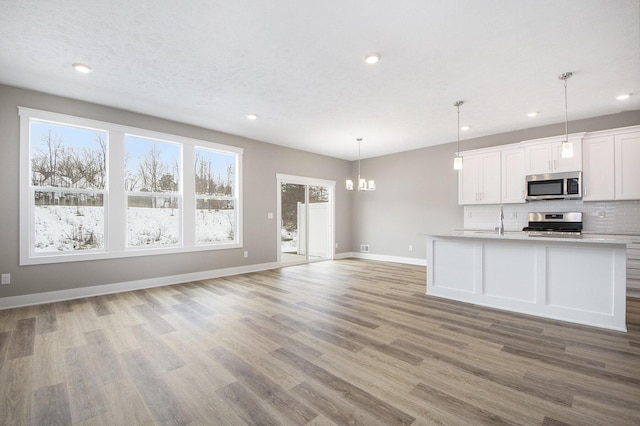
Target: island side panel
<point x="454" y="266"/>
<point x="589" y="287"/>
<point x="510" y="272"/>
<point x="575" y="281"/>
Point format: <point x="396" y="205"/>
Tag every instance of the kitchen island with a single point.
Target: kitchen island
<point x="580" y="280"/>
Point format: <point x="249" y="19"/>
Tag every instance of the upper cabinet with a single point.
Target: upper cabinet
<point x="544" y="155"/>
<point x="611" y="162"/>
<point x="513" y="176"/>
<point x="479" y="179"/>
<point x="598" y="168"/>
<point x="627" y="166"/>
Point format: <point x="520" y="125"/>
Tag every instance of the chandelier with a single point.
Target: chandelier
<point x="363" y="184"/>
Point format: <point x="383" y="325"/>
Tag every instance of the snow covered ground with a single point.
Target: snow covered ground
<point x="65" y="228"/>
<point x="68" y="228"/>
<point x="288" y="240"/>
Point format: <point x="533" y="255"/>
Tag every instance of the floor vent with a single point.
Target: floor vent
<point x="364" y="248"/>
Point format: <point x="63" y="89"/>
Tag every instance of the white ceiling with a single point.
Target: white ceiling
<point x="299" y="65"/>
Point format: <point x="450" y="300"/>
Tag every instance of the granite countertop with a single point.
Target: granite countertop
<point x="523" y="236"/>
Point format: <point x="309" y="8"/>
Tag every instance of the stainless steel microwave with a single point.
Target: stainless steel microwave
<point x="555" y="186"/>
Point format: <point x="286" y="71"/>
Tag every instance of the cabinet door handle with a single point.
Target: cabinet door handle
<point x="555" y="164"/>
<point x="549" y="166"/>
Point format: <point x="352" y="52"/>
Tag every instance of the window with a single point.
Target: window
<point x="68" y="182"/>
<point x="94" y="190"/>
<point x="215" y="195"/>
<point x="151" y="182"/>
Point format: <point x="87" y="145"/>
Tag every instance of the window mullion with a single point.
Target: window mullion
<point x="188" y="185"/>
<point x="116" y="198"/>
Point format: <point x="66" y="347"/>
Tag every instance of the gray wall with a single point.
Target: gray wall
<point x="261" y="163"/>
<point x="417" y="191"/>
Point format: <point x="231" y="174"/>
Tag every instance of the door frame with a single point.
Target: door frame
<point x="307" y="181"/>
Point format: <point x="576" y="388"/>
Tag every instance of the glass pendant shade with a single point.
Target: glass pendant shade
<point x="349" y="185"/>
<point x="567" y="149"/>
<point x="457" y="163"/>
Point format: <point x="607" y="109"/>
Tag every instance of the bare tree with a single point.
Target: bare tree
<point x="44" y="163"/>
<point x="131" y="179"/>
<point x="102" y="171"/>
<point x="151" y="170"/>
<point x="70" y="167"/>
<point x="229" y="188"/>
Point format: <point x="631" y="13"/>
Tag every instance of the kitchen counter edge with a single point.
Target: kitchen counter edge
<point x="523" y="236"/>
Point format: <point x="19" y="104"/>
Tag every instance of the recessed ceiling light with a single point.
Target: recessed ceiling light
<point x="533" y="114"/>
<point x="623" y="97"/>
<point x="252" y="116"/>
<point x="85" y="69"/>
<point x="465" y="128"/>
<point x="372" y="58"/>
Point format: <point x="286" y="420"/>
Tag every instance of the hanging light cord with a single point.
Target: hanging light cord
<point x="565" y="76"/>
<point x="566" y="113"/>
<point x="359" y="143"/>
<point x="458" y="146"/>
<point x="457" y="105"/>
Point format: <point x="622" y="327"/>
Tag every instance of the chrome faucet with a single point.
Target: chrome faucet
<point x="500" y="227"/>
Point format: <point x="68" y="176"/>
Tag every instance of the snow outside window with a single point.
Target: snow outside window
<point x="216" y="212"/>
<point x="152" y="182"/>
<point x="98" y="190"/>
<point x="68" y="182"/>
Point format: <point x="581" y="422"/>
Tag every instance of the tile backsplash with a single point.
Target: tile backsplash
<point x="606" y="217"/>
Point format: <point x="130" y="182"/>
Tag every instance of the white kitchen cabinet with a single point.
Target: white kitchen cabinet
<point x="598" y="161"/>
<point x="611" y="161"/>
<point x="627" y="166"/>
<point x="513" y="183"/>
<point x="633" y="264"/>
<point x="544" y="155"/>
<point x="479" y="179"/>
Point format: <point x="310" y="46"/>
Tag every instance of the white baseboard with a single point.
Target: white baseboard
<point x="78" y="293"/>
<point x="385" y="258"/>
<point x="342" y="255"/>
<point x="633" y="292"/>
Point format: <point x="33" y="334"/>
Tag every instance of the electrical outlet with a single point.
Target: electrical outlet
<point x="6" y="279"/>
<point x="246" y="254"/>
<point x="364" y="248"/>
<point x="270" y="215"/>
<point x="336" y="245"/>
<point x="410" y="247"/>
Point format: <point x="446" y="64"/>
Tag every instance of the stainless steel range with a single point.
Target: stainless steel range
<point x="554" y="224"/>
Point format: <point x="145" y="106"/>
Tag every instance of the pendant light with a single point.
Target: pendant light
<point x="457" y="161"/>
<point x="567" y="147"/>
<point x="363" y="184"/>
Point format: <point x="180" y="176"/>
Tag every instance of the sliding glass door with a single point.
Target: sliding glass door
<point x="305" y="217"/>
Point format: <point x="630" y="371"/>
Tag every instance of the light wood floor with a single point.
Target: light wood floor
<point x="339" y="342"/>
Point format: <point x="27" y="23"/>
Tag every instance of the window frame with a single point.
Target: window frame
<point x="115" y="195"/>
